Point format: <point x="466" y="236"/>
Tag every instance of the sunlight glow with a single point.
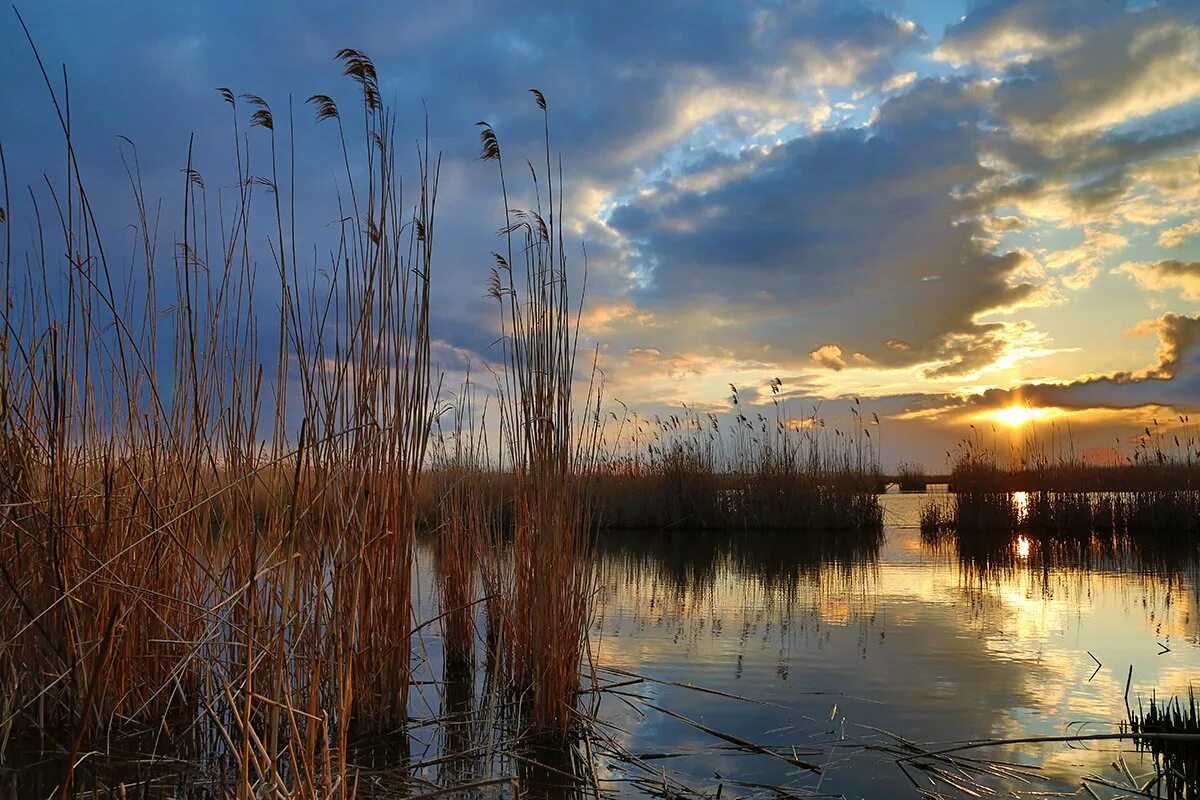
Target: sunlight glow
<point x="1016" y="416"/>
<point x="1021" y="505"/>
<point x="1023" y="544"/>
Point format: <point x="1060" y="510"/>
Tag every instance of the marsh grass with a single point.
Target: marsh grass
<point x="465" y="526"/>
<point x="1164" y="456"/>
<point x="208" y="516"/>
<point x="1177" y="761"/>
<point x="912" y="477"/>
<point x="1148" y="514"/>
<point x="696" y="471"/>
<point x="1045" y="490"/>
<point x="549" y="442"/>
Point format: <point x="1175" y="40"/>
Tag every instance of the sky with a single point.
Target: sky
<point x="961" y="213"/>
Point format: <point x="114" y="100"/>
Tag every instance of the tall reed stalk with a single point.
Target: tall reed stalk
<point x="549" y="447"/>
<point x="207" y="517"/>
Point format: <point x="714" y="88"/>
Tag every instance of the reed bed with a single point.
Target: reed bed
<point x="549" y="442"/>
<point x="1151" y="495"/>
<point x="1066" y="514"/>
<point x="911" y="476"/>
<point x="208" y="516"/>
<point x="1165" y="457"/>
<point x="694" y="471"/>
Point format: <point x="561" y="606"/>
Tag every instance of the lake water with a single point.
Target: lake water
<point x="831" y="646"/>
<point x="829" y="650"/>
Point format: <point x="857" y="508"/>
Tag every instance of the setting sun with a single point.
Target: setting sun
<point x="1016" y="416"/>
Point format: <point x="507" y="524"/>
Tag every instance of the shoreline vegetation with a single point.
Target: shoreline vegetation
<point x="208" y="514"/>
<point x="210" y="510"/>
<point x="1049" y="491"/>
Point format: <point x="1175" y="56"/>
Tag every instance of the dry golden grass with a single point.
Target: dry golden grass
<point x="548" y="452"/>
<point x="200" y="533"/>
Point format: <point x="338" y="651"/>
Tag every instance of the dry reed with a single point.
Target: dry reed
<point x="208" y="517"/>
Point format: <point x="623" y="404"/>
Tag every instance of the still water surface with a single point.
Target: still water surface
<point x="833" y="646"/>
<point x="918" y="640"/>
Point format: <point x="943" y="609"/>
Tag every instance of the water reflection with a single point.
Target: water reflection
<point x="935" y="641"/>
<point x="809" y="647"/>
<point x="1023" y="546"/>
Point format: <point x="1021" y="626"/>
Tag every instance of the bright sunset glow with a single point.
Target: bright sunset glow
<point x="1043" y="153"/>
<point x="1023" y="544"/>
<point x="1018" y="416"/>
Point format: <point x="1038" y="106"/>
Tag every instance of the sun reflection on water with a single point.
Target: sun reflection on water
<point x="1021" y="503"/>
<point x="1023" y="544"/>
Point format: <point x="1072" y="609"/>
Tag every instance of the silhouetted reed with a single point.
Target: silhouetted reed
<point x="1165" y="458"/>
<point x="1068" y="498"/>
<point x="911" y="476"/>
<point x="1078" y="514"/>
<point x="1177" y="761"/>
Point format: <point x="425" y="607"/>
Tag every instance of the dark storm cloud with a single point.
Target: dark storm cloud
<point x="625" y="80"/>
<point x="852" y="237"/>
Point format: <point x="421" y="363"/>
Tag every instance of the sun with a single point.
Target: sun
<point x="1017" y="416"/>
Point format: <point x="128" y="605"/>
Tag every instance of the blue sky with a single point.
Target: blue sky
<point x="941" y="207"/>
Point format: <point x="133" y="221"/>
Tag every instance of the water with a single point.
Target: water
<point x="837" y="645"/>
<point x="838" y="649"/>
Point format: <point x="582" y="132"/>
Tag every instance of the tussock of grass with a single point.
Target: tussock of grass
<point x="549" y="454"/>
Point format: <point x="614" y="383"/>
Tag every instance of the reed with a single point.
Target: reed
<point x="201" y="532"/>
<point x="1163" y="457"/>
<point x="466" y="532"/>
<point x="549" y="449"/>
<point x="1177" y="761"/>
<point x="1067" y="514"/>
<point x="697" y="471"/>
<point x="1045" y="490"/>
<point x="911" y="476"/>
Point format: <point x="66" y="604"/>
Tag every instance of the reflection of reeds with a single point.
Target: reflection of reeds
<point x="1166" y="563"/>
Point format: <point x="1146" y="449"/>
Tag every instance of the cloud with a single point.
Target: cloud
<point x="763" y="188"/>
<point x="1172" y="382"/>
<point x="847" y="232"/>
<point x="1180" y="234"/>
<point x="1161" y="276"/>
<point x="899" y="81"/>
<point x="1086" y="259"/>
<point x="829" y="356"/>
<point x="997" y="34"/>
<point x="1075" y="67"/>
